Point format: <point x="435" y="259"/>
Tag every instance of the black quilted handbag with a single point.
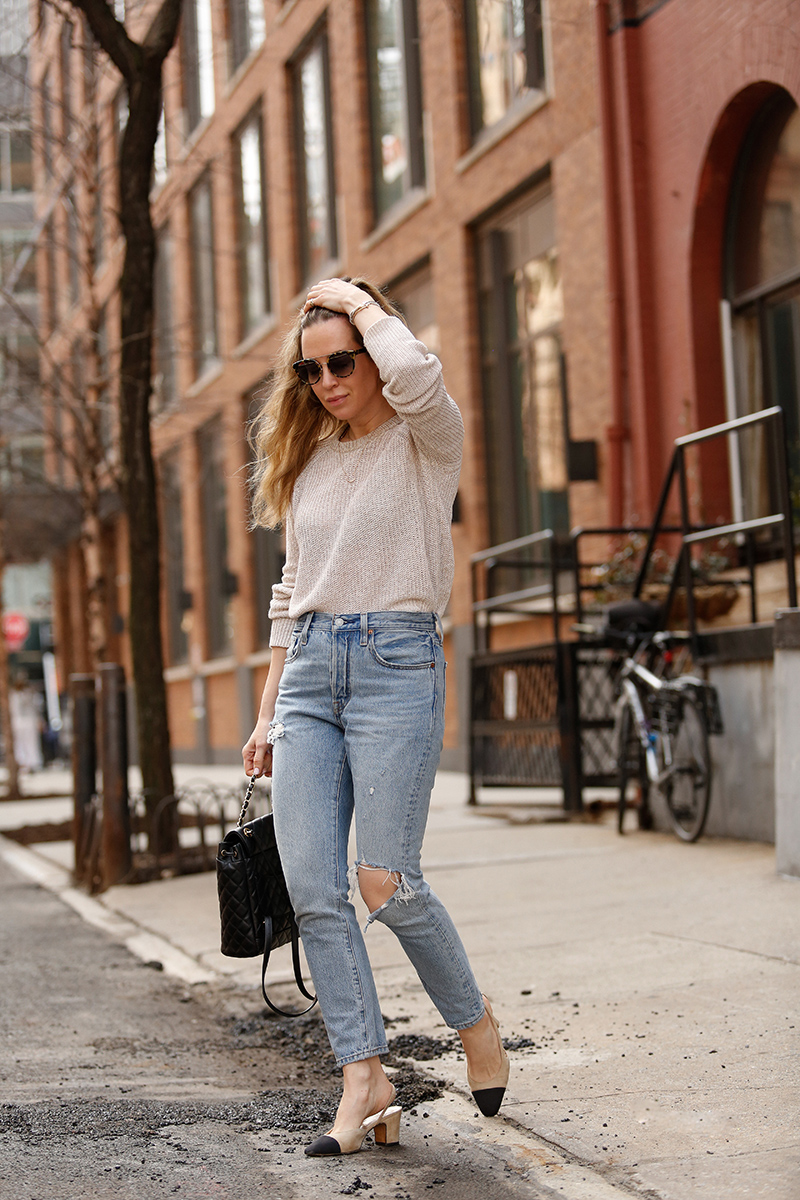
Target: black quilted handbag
<point x="256" y="913"/>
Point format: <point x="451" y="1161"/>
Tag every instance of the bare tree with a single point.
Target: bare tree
<point x="140" y="64"/>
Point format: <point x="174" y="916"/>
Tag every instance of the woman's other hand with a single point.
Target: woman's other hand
<point x="257" y="752"/>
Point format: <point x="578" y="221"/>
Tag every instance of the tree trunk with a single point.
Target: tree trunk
<point x="138" y="471"/>
<point x="141" y="64"/>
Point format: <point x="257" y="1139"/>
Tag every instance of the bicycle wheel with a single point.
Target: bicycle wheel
<point x="631" y="765"/>
<point x="687" y="788"/>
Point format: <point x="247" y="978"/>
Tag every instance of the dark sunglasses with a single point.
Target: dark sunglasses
<point x="341" y="364"/>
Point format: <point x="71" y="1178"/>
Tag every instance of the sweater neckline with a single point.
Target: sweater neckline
<point x="360" y="443"/>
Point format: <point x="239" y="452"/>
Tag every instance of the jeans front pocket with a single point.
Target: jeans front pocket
<point x="402" y="650"/>
<point x="293" y="648"/>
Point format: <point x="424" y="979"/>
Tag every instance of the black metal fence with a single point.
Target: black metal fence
<point x="543" y="715"/>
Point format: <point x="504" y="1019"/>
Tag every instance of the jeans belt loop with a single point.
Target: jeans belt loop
<point x="307" y="619"/>
<point x="439" y="628"/>
<point x="364" y="628"/>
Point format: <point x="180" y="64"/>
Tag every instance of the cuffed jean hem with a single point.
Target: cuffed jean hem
<point x="361" y="1056"/>
<point x="469" y="1024"/>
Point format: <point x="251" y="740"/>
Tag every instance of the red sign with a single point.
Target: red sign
<point x="16" y="628"/>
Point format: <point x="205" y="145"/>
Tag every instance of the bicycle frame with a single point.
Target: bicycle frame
<point x="633" y="671"/>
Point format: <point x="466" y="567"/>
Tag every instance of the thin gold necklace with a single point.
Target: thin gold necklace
<point x="356" y="457"/>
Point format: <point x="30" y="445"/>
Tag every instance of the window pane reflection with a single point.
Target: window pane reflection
<point x="395" y="97"/>
<point x="254" y="297"/>
<point x="507" y="53"/>
<point x="203" y="283"/>
<point x="319" y="240"/>
<point x="521" y="316"/>
<point x="779" y="240"/>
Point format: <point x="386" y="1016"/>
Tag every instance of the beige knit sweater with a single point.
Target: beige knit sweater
<point x="369" y="524"/>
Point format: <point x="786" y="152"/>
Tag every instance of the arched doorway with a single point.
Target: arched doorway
<point x="761" y="286"/>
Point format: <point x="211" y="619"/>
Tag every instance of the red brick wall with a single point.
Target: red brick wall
<point x="701" y="70"/>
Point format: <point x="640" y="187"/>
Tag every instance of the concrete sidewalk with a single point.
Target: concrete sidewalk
<point x="652" y="990"/>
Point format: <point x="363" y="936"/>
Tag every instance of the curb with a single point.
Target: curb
<point x="145" y="945"/>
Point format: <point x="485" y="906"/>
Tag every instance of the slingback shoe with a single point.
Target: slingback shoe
<point x="488" y="1094"/>
<point x="385" y="1125"/>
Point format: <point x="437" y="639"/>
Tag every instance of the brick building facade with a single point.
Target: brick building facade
<point x="545" y="188"/>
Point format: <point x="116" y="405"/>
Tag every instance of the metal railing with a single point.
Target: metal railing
<point x="543" y="714"/>
<point x="691" y="535"/>
<point x="484" y="566"/>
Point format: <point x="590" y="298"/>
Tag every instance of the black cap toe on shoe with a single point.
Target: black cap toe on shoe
<point x="326" y="1145"/>
<point x="488" y="1101"/>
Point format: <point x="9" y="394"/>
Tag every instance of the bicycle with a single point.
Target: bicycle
<point x="662" y="723"/>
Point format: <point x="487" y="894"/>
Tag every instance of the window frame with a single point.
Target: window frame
<point x="165" y="387"/>
<point x="514" y="495"/>
<point x="249" y="322"/>
<point x="202" y="361"/>
<point x="191" y="68"/>
<point x="533" y="34"/>
<point x="171" y="492"/>
<point x="317" y="39"/>
<point x="217" y="578"/>
<point x="414" y="176"/>
<point x="241" y="40"/>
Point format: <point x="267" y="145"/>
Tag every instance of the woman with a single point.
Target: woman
<point x="359" y="455"/>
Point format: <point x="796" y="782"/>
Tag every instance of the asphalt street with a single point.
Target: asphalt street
<point x="118" y="1081"/>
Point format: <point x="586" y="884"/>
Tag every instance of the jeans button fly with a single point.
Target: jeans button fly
<point x="339" y="622"/>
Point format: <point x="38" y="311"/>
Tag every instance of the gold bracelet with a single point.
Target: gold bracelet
<point x="359" y="307"/>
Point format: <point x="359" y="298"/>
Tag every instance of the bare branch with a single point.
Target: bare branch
<point x="111" y="36"/>
<point x="160" y="37"/>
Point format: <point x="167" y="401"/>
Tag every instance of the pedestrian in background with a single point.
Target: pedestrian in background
<point x="26" y="724"/>
<point x="359" y="451"/>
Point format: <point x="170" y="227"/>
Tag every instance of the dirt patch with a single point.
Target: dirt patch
<point x="304" y="1040"/>
<point x="420" y="1047"/>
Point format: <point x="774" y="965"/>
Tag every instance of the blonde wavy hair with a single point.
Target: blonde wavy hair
<point x="292" y="422"/>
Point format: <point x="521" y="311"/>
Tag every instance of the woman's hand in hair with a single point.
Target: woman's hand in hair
<point x="337" y="295"/>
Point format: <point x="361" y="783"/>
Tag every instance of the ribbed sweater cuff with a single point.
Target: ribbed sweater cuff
<point x="281" y="632"/>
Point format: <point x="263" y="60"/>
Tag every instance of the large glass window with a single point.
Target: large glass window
<point x="251" y="225"/>
<point x="506" y="56"/>
<point x="160" y="163"/>
<point x="20" y="161"/>
<point x="197" y="54"/>
<point x="164" y="389"/>
<point x="13" y="245"/>
<point x="245" y="29"/>
<point x="521" y="314"/>
<point x="316" y="191"/>
<point x="51" y="282"/>
<point x="268" y="555"/>
<point x="73" y="247"/>
<point x="176" y="595"/>
<point x="763" y="286"/>
<point x="220" y="584"/>
<point x="46" y="101"/>
<point x="204" y="324"/>
<point x="413" y="293"/>
<point x="65" y="55"/>
<point x="398" y="162"/>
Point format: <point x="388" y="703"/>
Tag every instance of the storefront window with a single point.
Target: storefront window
<point x="521" y="315"/>
<point x="764" y="294"/>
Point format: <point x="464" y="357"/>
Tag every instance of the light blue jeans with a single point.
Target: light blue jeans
<point x="358" y="732"/>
